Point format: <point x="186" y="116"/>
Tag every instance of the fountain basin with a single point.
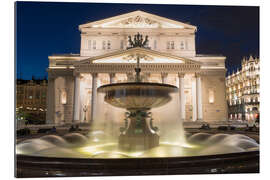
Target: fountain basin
<point x="107" y="160"/>
<point x="32" y="166"/>
<point x="137" y="95"/>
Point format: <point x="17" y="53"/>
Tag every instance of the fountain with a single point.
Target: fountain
<point x="138" y="98"/>
<point x="139" y="147"/>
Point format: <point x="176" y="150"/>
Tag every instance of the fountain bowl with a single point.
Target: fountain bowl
<point x="137" y="95"/>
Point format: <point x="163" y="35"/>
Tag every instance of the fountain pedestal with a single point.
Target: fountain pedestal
<point x="138" y="135"/>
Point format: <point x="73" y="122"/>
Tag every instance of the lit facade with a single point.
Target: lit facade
<point x="104" y="58"/>
<point x="31" y="97"/>
<point x="243" y="91"/>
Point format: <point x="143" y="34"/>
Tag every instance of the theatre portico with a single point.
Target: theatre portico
<point x="105" y="58"/>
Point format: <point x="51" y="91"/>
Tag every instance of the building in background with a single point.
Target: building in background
<point x="243" y="91"/>
<point x="31" y="101"/>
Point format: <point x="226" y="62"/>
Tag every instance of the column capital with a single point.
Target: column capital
<point x="181" y="75"/>
<point x="112" y="74"/>
<point x="94" y="74"/>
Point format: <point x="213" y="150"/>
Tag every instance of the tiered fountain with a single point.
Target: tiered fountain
<point x="138" y="98"/>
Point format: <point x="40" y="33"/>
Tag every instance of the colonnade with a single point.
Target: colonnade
<point x="197" y="104"/>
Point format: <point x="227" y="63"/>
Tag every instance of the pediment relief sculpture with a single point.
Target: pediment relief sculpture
<point x="139" y="21"/>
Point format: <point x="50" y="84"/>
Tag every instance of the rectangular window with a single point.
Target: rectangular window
<point x="63" y="97"/>
<point x="109" y="45"/>
<point x="30" y="94"/>
<point x="211" y="96"/>
<point x="168" y="44"/>
<point x="94" y="44"/>
<point x="155" y="44"/>
<point x="182" y="45"/>
<point x="172" y="44"/>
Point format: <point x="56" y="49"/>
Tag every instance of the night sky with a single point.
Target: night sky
<point x="43" y="29"/>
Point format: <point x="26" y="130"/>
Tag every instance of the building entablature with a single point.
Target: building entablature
<point x="125" y="32"/>
<point x="125" y="61"/>
<point x="64" y="61"/>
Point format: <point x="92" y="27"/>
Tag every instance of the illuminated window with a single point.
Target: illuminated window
<point x="63" y="97"/>
<point x="211" y="96"/>
<point x="103" y="45"/>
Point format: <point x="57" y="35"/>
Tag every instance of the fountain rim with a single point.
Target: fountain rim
<point x="126" y="166"/>
<point x="128" y="84"/>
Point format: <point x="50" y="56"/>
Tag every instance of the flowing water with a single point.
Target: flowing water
<point x="102" y="139"/>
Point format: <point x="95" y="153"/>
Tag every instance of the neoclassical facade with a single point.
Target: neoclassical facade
<point x="243" y="91"/>
<point x="105" y="58"/>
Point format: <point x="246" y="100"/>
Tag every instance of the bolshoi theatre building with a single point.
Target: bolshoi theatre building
<point x="105" y="57"/>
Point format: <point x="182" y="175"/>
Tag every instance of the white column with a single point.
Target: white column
<point x="194" y="100"/>
<point x="77" y="103"/>
<point x="94" y="95"/>
<point x="164" y="78"/>
<point x="182" y="96"/>
<point x="50" y="119"/>
<point x="112" y="78"/>
<point x="199" y="97"/>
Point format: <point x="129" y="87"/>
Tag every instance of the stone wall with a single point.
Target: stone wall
<point x="216" y="111"/>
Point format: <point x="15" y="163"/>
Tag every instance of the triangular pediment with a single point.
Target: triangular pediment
<point x="137" y="19"/>
<point x="130" y="56"/>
